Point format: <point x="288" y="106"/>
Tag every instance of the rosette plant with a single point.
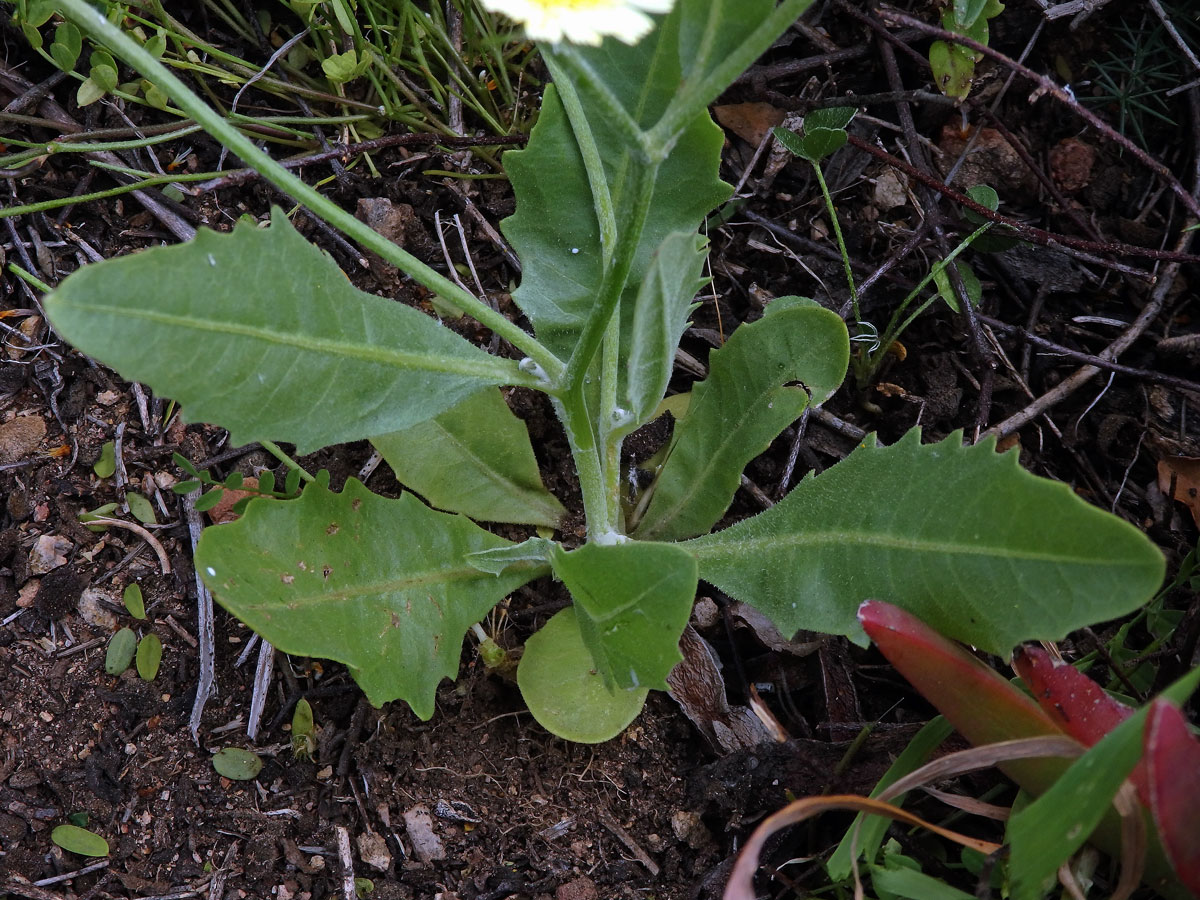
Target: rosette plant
<point x="259" y="332"/>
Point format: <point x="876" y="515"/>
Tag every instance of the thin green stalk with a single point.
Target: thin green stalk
<point x="59" y="202"/>
<point x="893" y="331"/>
<point x="274" y="449"/>
<point x="612" y="421"/>
<point x="837" y="233"/>
<point x="29" y="278"/>
<point x="279" y="121"/>
<point x="101" y="146"/>
<point x="639" y="191"/>
<point x="598" y="462"/>
<point x="571" y="409"/>
<point x="17" y="160"/>
<point x="865" y="367"/>
<point x="606" y="215"/>
<point x="93" y="22"/>
<point x="413" y="100"/>
<point x="567" y="58"/>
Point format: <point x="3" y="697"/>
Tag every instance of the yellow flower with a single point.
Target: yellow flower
<point x="581" y="21"/>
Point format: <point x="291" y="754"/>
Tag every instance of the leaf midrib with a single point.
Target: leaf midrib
<point x="489" y="368"/>
<point x="378" y="588"/>
<point x="713" y="546"/>
<point x="515" y="492"/>
<point x="633" y="603"/>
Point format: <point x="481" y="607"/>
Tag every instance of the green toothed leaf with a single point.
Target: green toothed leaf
<point x="290" y="351"/>
<point x="749" y="397"/>
<point x="632" y="601"/>
<point x="961" y="537"/>
<point x="378" y="584"/>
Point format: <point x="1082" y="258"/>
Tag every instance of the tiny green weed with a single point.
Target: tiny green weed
<point x="1136" y="77"/>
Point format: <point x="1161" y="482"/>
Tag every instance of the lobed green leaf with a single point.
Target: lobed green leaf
<point x="659" y="318"/>
<point x="378" y="584"/>
<point x="555" y="230"/>
<point x="632" y="602"/>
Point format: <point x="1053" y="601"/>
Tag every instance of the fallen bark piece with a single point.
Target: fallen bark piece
<point x="427" y="846"/>
<point x="19" y="437"/>
<point x="373" y="851"/>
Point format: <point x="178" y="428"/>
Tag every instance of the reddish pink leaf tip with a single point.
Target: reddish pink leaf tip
<point x="1172" y="761"/>
<point x="1078" y="704"/>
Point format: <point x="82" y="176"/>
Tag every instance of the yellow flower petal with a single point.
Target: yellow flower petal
<point x="581" y="21"/>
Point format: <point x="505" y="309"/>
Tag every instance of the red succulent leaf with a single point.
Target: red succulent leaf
<point x="985" y="708"/>
<point x="1077" y="704"/>
<point x="981" y="704"/>
<point x="1171" y="755"/>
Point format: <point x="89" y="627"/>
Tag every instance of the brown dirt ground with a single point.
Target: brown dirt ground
<point x="657" y="813"/>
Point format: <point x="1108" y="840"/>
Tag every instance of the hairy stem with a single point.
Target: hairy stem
<point x="572" y="411"/>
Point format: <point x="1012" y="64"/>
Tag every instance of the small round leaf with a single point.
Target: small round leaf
<point x="984" y="195"/>
<point x="564" y="691"/>
<point x="106" y="465"/>
<point x="79" y="840"/>
<point x="141" y="508"/>
<point x="89" y="92"/>
<point x="291" y="483"/>
<point x="184" y="463"/>
<point x="120" y="651"/>
<point x="236" y="764"/>
<point x="149" y="656"/>
<point x="132" y="598"/>
<point x="209" y="500"/>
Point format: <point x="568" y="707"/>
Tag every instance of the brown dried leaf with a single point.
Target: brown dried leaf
<point x="1184" y="471"/>
<point x="223" y="511"/>
<point x="697" y="686"/>
<point x="749" y="121"/>
<point x="766" y="632"/>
